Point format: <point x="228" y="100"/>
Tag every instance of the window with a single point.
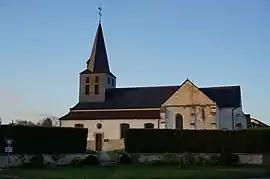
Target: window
<point x="99" y="125"/>
<point x="112" y="82"/>
<point x="108" y="80"/>
<point x="239" y="125"/>
<point x="149" y="126"/>
<point x="87" y="89"/>
<point x="178" y="121"/>
<point x="123" y="128"/>
<point x="203" y="114"/>
<point x="87" y="80"/>
<point x="96" y="89"/>
<point x="78" y="125"/>
<point x="96" y="79"/>
<point x="214" y="125"/>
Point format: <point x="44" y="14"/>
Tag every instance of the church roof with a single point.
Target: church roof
<point x="154" y="97"/>
<point x="98" y="61"/>
<point x="94" y="115"/>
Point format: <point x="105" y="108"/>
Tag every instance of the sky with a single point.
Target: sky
<point x="45" y="44"/>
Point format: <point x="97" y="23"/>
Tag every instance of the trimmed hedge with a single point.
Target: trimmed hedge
<point x="196" y="141"/>
<point x="35" y="140"/>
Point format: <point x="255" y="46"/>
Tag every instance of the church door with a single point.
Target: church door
<point x="99" y="141"/>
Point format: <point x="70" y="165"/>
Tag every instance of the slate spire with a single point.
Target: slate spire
<point x="98" y="61"/>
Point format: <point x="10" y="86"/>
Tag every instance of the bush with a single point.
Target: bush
<point x="189" y="158"/>
<point x="92" y="152"/>
<point x="123" y="158"/>
<point x="46" y="139"/>
<point x="200" y="161"/>
<point x="36" y="161"/>
<point x="90" y="160"/>
<point x="227" y="158"/>
<point x="75" y="162"/>
<point x="214" y="159"/>
<point x="207" y="141"/>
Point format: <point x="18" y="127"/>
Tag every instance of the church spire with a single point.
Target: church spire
<point x="98" y="61"/>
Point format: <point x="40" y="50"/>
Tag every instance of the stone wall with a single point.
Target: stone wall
<point x="243" y="158"/>
<point x="18" y="160"/>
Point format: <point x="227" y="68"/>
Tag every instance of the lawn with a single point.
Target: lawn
<point x="134" y="172"/>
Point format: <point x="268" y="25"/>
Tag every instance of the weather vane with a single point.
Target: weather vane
<point x="99" y="13"/>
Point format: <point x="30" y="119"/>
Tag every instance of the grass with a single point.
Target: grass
<point x="140" y="172"/>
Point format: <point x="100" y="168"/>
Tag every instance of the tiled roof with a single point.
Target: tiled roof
<point x="257" y="123"/>
<point x="93" y="115"/>
<point x="153" y="97"/>
<point x="225" y="96"/>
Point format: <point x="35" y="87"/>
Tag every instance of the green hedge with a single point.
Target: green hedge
<point x="31" y="140"/>
<point x="196" y="141"/>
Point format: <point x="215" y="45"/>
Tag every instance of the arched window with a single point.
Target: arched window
<point x="78" y="125"/>
<point x="149" y="126"/>
<point x="123" y="128"/>
<point x="178" y="121"/>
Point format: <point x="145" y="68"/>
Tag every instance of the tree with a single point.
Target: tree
<point x="50" y="121"/>
<point x="1" y="120"/>
<point x="23" y="123"/>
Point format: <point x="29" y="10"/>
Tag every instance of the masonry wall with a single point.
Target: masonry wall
<point x="230" y="118"/>
<point x="110" y="130"/>
<point x="183" y="102"/>
<point x="204" y="121"/>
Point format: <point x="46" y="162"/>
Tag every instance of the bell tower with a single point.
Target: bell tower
<point x="97" y="77"/>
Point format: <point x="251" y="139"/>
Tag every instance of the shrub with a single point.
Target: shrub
<point x="200" y="160"/>
<point x="190" y="159"/>
<point x="123" y="158"/>
<point x="75" y="162"/>
<point x="46" y="139"/>
<point x="213" y="159"/>
<point x="36" y="161"/>
<point x="92" y="152"/>
<point x="90" y="160"/>
<point x="207" y="141"/>
<point x="56" y="157"/>
<point x="228" y="158"/>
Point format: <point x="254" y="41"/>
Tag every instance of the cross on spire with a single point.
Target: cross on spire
<point x="100" y="13"/>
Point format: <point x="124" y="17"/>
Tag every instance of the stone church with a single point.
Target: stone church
<point x="107" y="111"/>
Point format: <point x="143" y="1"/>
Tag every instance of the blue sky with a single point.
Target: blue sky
<point x="45" y="44"/>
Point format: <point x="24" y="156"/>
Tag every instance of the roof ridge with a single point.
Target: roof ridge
<point x="132" y="87"/>
<point x="229" y="86"/>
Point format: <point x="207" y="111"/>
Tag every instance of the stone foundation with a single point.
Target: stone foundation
<point x="17" y="160"/>
<point x="243" y="158"/>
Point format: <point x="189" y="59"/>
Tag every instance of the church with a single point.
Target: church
<point x="107" y="111"/>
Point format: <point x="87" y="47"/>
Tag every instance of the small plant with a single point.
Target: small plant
<point x="200" y="160"/>
<point x="190" y="159"/>
<point x="91" y="152"/>
<point x="37" y="161"/>
<point x="90" y="160"/>
<point x="228" y="158"/>
<point x="213" y="159"/>
<point x="75" y="162"/>
<point x="123" y="158"/>
<point x="56" y="157"/>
